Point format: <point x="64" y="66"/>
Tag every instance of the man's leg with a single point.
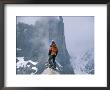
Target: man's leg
<point x="54" y="63"/>
<point x="49" y="60"/>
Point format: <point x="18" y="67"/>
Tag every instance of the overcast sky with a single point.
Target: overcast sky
<point x="79" y="34"/>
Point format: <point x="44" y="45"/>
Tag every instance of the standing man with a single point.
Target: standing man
<point x="53" y="51"/>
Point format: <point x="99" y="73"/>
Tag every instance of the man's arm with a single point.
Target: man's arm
<point x="49" y="51"/>
<point x="57" y="52"/>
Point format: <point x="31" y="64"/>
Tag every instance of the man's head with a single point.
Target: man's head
<point x="53" y="42"/>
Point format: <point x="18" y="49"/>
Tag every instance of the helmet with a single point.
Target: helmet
<point x="52" y="40"/>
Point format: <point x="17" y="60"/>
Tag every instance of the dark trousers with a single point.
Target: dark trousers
<point x="52" y="60"/>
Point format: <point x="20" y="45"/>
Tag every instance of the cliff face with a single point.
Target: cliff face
<point x="56" y="32"/>
<point x="33" y="43"/>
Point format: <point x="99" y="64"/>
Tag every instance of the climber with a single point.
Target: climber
<point x="53" y="51"/>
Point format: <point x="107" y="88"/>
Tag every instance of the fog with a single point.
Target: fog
<point x="79" y="34"/>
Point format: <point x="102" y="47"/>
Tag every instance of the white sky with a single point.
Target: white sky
<point x="79" y="34"/>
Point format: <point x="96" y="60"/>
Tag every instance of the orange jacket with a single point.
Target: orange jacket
<point x="53" y="50"/>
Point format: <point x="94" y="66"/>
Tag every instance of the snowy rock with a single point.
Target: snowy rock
<point x="26" y="67"/>
<point x="84" y="64"/>
<point x="50" y="71"/>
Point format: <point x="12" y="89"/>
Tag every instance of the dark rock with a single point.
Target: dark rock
<point x="17" y="60"/>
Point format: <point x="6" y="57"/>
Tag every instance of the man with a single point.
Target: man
<point x="53" y="51"/>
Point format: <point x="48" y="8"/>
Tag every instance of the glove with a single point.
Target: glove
<point x="49" y="53"/>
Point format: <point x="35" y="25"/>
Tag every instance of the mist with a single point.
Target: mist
<point x="79" y="34"/>
<point x="79" y="37"/>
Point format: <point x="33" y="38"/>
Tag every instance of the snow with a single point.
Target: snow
<point x="59" y="64"/>
<point x="32" y="73"/>
<point x="77" y="65"/>
<point x="50" y="71"/>
<point x="34" y="63"/>
<point x="34" y="68"/>
<point x="28" y="65"/>
<point x="19" y="49"/>
<point x="20" y="58"/>
<point x="81" y="61"/>
<point x="22" y="63"/>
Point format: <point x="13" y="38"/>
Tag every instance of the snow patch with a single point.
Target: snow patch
<point x="59" y="64"/>
<point x="19" y="49"/>
<point x="22" y="63"/>
<point x="34" y="63"/>
<point x="28" y="65"/>
<point x="34" y="68"/>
